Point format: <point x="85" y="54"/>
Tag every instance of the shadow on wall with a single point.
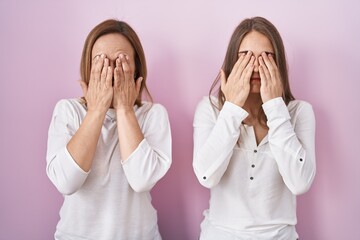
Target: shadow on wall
<point x="164" y="76"/>
<point x="309" y="208"/>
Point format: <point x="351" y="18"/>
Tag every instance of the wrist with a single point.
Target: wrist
<point x="124" y="110"/>
<point x="98" y="113"/>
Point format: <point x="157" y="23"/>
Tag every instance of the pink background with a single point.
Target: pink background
<point x="185" y="42"/>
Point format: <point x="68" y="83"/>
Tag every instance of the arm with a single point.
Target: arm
<point x="146" y="152"/>
<point x="292" y="147"/>
<point x="126" y="90"/>
<point x="77" y="147"/>
<point x="61" y="168"/>
<point x="214" y="140"/>
<point x="98" y="95"/>
<point x="151" y="159"/>
<point x="82" y="145"/>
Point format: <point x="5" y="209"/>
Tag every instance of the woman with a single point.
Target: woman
<point x="107" y="150"/>
<point x="253" y="143"/>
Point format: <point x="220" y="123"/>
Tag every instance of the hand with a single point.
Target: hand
<point x="271" y="85"/>
<point x="126" y="89"/>
<point x="237" y="87"/>
<point x="99" y="92"/>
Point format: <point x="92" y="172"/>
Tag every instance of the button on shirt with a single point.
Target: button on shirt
<point x="112" y="200"/>
<point x="253" y="187"/>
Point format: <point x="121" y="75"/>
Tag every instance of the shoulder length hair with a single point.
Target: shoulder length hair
<point x="120" y="27"/>
<point x="266" y="28"/>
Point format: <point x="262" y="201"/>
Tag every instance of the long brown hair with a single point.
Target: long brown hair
<point x="266" y="28"/>
<point x="115" y="26"/>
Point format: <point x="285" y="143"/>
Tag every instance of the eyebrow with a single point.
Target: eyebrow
<point x="264" y="52"/>
<point x="96" y="56"/>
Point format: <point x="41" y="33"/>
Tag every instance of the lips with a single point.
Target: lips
<point x="255" y="79"/>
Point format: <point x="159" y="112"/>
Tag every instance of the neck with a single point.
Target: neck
<point x="253" y="104"/>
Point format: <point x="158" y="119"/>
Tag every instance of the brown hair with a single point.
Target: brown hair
<point x="115" y="26"/>
<point x="266" y="28"/>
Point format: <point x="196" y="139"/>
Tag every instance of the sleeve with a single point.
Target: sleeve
<point x="214" y="140"/>
<point x="152" y="158"/>
<point x="292" y="146"/>
<point x="61" y="168"/>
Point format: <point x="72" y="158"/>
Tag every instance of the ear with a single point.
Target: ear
<point x="138" y="84"/>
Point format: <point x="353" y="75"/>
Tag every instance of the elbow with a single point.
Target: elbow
<point x="65" y="189"/>
<point x="144" y="179"/>
<point x="302" y="185"/>
<point x="141" y="187"/>
<point x="299" y="189"/>
<point x="63" y="185"/>
<point x="148" y="180"/>
<point x="206" y="181"/>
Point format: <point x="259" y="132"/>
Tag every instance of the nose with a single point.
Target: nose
<point x="256" y="64"/>
<point x="112" y="63"/>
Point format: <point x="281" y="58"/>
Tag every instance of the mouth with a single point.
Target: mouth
<point x="255" y="79"/>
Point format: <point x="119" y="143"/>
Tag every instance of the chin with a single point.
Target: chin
<point x="255" y="89"/>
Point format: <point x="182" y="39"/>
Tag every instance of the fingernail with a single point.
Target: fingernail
<point x="97" y="57"/>
<point x="127" y="57"/>
<point x="249" y="52"/>
<point x="102" y="55"/>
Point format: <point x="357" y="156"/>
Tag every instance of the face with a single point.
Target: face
<point x="112" y="45"/>
<point x="257" y="43"/>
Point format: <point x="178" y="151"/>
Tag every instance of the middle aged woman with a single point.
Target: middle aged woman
<point x="107" y="150"/>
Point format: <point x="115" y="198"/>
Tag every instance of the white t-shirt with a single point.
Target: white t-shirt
<point x="253" y="187"/>
<point x="112" y="200"/>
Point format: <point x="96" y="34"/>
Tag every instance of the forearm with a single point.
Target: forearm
<point x="82" y="145"/>
<point x="293" y="147"/>
<point x="129" y="132"/>
<point x="213" y="145"/>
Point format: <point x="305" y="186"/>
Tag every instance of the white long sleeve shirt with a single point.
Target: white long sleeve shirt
<point x="112" y="200"/>
<point x="253" y="187"/>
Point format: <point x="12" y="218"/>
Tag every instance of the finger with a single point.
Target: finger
<point x="238" y="62"/>
<point x="242" y="65"/>
<point x="92" y="72"/>
<point x="84" y="87"/>
<point x="248" y="71"/>
<point x="266" y="72"/>
<point x="271" y="68"/>
<point x="263" y="81"/>
<point x="118" y="74"/>
<point x="277" y="74"/>
<point x="223" y="80"/>
<point x="104" y="71"/>
<point x="272" y="60"/>
<point x="116" y="77"/>
<point x="129" y="78"/>
<point x="109" y="77"/>
<point x="98" y="67"/>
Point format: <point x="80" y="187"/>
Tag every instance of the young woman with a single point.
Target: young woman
<point x="107" y="150"/>
<point x="254" y="144"/>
